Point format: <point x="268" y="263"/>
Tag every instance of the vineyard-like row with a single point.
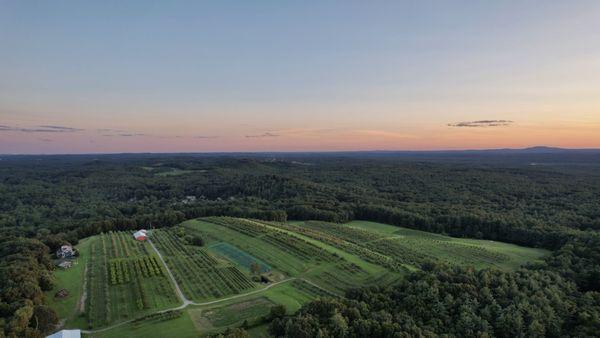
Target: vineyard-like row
<point x="296" y="246"/>
<point x="146" y="266"/>
<point x="239" y="257"/>
<point x="360" y="251"/>
<point x="310" y="289"/>
<point x="121" y="245"/>
<point x="199" y="275"/>
<point x="409" y="249"/>
<point x="123" y="280"/>
<point x="399" y="250"/>
<point x="353" y="235"/>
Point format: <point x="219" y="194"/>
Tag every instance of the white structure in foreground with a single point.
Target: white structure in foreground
<point x="141" y="235"/>
<point x="66" y="334"/>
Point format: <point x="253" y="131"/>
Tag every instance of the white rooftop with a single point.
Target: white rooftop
<point x="66" y="334"/>
<point x="140" y="234"/>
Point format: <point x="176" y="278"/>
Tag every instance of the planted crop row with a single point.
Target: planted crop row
<point x="141" y="298"/>
<point x="98" y="303"/>
<point x="354" y="235"/>
<point x="122" y="245"/>
<point x="120" y="268"/>
<point x="286" y="242"/>
<point x="298" y="247"/>
<point x="174" y="246"/>
<point x="310" y="289"/>
<point x="119" y="271"/>
<point x="362" y="252"/>
<point x="159" y="316"/>
<point x="351" y="268"/>
<point x="249" y="228"/>
<point x="121" y="287"/>
<point x="401" y="253"/>
<point x="196" y="271"/>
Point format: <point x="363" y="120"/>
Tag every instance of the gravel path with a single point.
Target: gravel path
<point x="81" y="305"/>
<point x="185" y="301"/>
<point x="183" y="306"/>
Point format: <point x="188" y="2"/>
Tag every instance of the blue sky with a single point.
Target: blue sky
<point x="327" y="75"/>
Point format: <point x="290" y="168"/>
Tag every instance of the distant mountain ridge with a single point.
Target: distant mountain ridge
<point x="491" y="151"/>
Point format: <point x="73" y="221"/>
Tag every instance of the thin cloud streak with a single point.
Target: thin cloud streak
<point x="124" y="135"/>
<point x="264" y="135"/>
<point x="482" y="123"/>
<point x="39" y="129"/>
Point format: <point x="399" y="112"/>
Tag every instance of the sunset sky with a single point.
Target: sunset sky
<point x="195" y="76"/>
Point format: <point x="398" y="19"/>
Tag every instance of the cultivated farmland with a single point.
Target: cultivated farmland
<point x="124" y="280"/>
<point x="200" y="275"/>
<point x="247" y="266"/>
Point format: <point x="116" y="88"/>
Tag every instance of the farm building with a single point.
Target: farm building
<point x="140" y="235"/>
<point x="66" y="334"/>
<point x="65" y="251"/>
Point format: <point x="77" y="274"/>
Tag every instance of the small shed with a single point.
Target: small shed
<point x="140" y="235"/>
<point x="66" y="334"/>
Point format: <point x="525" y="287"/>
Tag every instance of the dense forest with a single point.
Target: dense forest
<point x="558" y="298"/>
<point x="46" y="201"/>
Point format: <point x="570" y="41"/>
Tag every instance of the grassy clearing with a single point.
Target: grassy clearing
<point x="71" y="280"/>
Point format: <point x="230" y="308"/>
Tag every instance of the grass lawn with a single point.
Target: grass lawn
<point x="72" y="280"/>
<point x="289" y="296"/>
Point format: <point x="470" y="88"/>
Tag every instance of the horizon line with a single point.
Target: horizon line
<point x="541" y="148"/>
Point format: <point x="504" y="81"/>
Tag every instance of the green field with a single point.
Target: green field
<point x="127" y="284"/>
<point x="199" y="274"/>
<point x="464" y="251"/>
<point x="123" y="280"/>
<point x="238" y="256"/>
<point x="71" y="280"/>
<point x="411" y="248"/>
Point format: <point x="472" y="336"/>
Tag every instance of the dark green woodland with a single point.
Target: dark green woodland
<point x="46" y="201"/>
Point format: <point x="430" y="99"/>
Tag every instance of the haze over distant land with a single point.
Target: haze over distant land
<point x="118" y="77"/>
